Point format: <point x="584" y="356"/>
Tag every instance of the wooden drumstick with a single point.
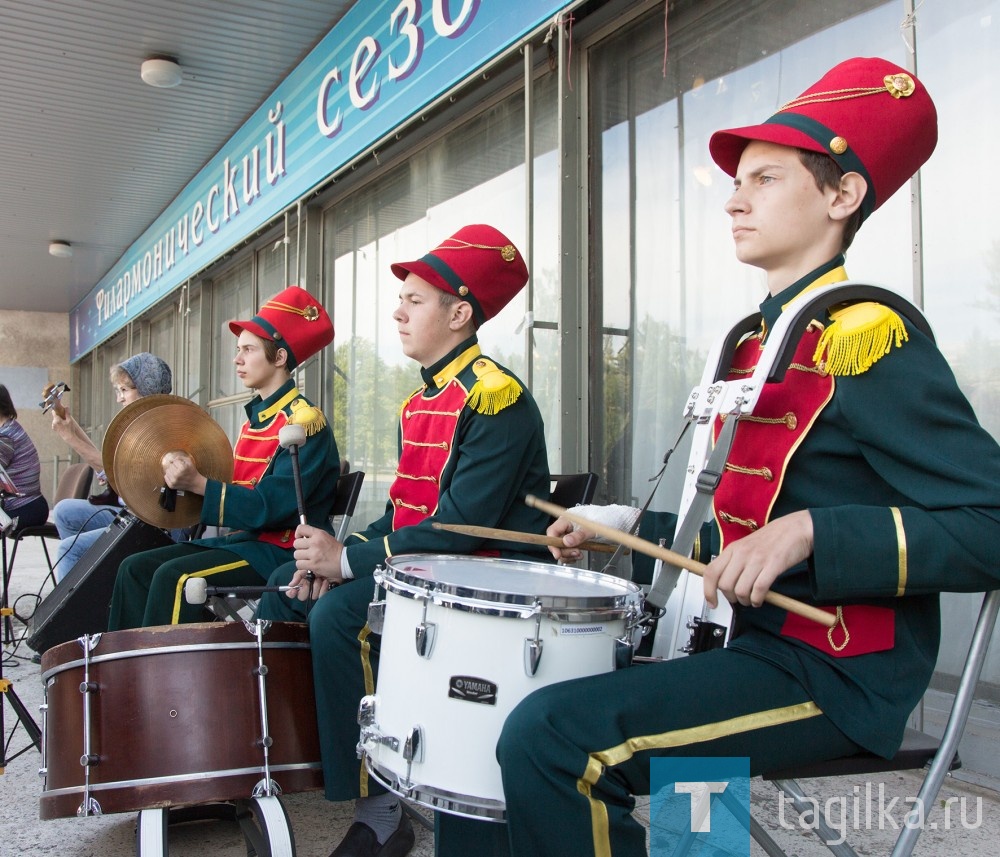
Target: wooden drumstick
<point x="806" y="611"/>
<point x="516" y="536"/>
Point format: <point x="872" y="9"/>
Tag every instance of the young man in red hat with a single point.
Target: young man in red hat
<point x="471" y="446"/>
<point x="259" y="506"/>
<point x="879" y="493"/>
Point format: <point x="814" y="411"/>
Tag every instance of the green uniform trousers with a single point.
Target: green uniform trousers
<point x="573" y="754"/>
<point x="149" y="588"/>
<point x="345" y="663"/>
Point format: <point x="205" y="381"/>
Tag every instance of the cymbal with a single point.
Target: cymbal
<point x="123" y="419"/>
<point x="147" y="438"/>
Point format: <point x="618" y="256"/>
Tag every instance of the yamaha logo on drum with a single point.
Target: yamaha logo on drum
<point x="472" y="689"/>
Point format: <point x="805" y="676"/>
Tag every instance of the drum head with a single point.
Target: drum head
<point x="506" y="581"/>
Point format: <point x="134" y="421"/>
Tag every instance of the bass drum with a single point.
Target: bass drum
<point x="178" y="714"/>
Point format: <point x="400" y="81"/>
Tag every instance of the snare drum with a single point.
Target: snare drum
<point x="464" y="639"/>
<point x="178" y="714"/>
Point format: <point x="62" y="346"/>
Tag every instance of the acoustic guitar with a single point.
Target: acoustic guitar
<point x="52" y="401"/>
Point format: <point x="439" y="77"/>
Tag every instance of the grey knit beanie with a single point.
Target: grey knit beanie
<point x="149" y="373"/>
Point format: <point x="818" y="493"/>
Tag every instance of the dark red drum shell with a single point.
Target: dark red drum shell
<point x="191" y="714"/>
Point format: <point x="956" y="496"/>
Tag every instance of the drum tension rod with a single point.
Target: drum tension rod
<point x="425" y="631"/>
<point x="533" y="647"/>
<point x="87" y="688"/>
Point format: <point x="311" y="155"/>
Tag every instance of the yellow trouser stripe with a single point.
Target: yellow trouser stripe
<point x="366" y="665"/>
<point x="179" y="590"/>
<point x="897" y="518"/>
<point x="677" y="738"/>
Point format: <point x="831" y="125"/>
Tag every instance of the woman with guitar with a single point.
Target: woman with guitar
<point x="81" y="522"/>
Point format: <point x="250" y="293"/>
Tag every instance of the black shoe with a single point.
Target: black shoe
<point x="361" y="841"/>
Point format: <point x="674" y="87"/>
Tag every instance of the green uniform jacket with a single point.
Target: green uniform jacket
<point x="903" y="486"/>
<point x="270" y="505"/>
<point x="495" y="459"/>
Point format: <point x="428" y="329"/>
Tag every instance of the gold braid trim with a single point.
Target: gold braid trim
<point x="858" y="336"/>
<point x="749" y="523"/>
<point x="752" y="471"/>
<point x="494" y="390"/>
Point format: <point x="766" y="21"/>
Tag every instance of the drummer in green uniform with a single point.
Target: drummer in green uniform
<point x="880" y="493"/>
<point x="259" y="506"/>
<point x="471" y="446"/>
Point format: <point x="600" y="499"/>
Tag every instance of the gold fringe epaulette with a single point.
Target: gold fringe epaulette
<point x="494" y="390"/>
<point x="858" y="335"/>
<point x="308" y="416"/>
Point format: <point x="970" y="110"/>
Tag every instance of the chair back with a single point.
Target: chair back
<point x="573" y="489"/>
<point x="919" y="750"/>
<point x="75" y="482"/>
<point x="346" y="499"/>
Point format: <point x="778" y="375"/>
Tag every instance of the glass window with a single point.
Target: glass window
<point x="957" y="51"/>
<point x="232" y="297"/>
<point x="473" y="174"/>
<point x="666" y="281"/>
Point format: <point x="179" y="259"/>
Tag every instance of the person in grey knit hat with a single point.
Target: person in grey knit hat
<point x="81" y="522"/>
<point x="147" y="372"/>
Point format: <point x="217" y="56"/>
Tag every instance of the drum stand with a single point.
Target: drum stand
<point x="25" y="719"/>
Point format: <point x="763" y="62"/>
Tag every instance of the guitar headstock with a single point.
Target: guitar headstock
<point x="52" y="398"/>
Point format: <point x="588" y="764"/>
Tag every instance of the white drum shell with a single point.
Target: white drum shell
<point x="579" y="616"/>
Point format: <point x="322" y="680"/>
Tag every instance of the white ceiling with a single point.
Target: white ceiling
<point x="90" y="154"/>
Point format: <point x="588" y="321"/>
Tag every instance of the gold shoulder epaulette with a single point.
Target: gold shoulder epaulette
<point x="494" y="390"/>
<point x="858" y="335"/>
<point x="308" y="416"/>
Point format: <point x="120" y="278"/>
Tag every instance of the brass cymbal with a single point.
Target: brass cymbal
<point x="148" y="437"/>
<point x="122" y="421"/>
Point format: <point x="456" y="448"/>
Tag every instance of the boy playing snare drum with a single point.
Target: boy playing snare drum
<point x="881" y="500"/>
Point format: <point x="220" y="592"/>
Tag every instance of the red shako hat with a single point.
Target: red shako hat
<point x="868" y="114"/>
<point x="478" y="263"/>
<point x="295" y="320"/>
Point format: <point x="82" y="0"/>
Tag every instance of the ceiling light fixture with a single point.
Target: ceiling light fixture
<point x="161" y="72"/>
<point x="60" y="249"/>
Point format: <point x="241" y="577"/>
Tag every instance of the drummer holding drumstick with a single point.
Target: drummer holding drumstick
<point x="884" y="494"/>
<point x="471" y="447"/>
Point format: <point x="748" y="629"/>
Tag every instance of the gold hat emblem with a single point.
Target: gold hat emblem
<point x="508" y="252"/>
<point x="310" y="313"/>
<point x="838" y="145"/>
<point x="899" y="85"/>
<point x="463" y="291"/>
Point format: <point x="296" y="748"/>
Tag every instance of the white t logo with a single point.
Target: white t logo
<point x="701" y="801"/>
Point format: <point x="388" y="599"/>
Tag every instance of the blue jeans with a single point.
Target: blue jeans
<point x="80" y="524"/>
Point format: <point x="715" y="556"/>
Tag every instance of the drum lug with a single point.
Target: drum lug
<point x="413" y="748"/>
<point x="366" y="710"/>
<point x="266" y="788"/>
<point x="252" y="626"/>
<point x="533" y="648"/>
<point x="425" y="631"/>
<point x="413" y="751"/>
<point x="89" y="807"/>
<point x="376" y="616"/>
<point x="425" y="635"/>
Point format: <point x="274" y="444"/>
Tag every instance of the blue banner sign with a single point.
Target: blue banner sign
<point x="384" y="62"/>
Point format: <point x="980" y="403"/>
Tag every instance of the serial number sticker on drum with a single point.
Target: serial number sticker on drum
<point x="472" y="689"/>
<point x="581" y="630"/>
